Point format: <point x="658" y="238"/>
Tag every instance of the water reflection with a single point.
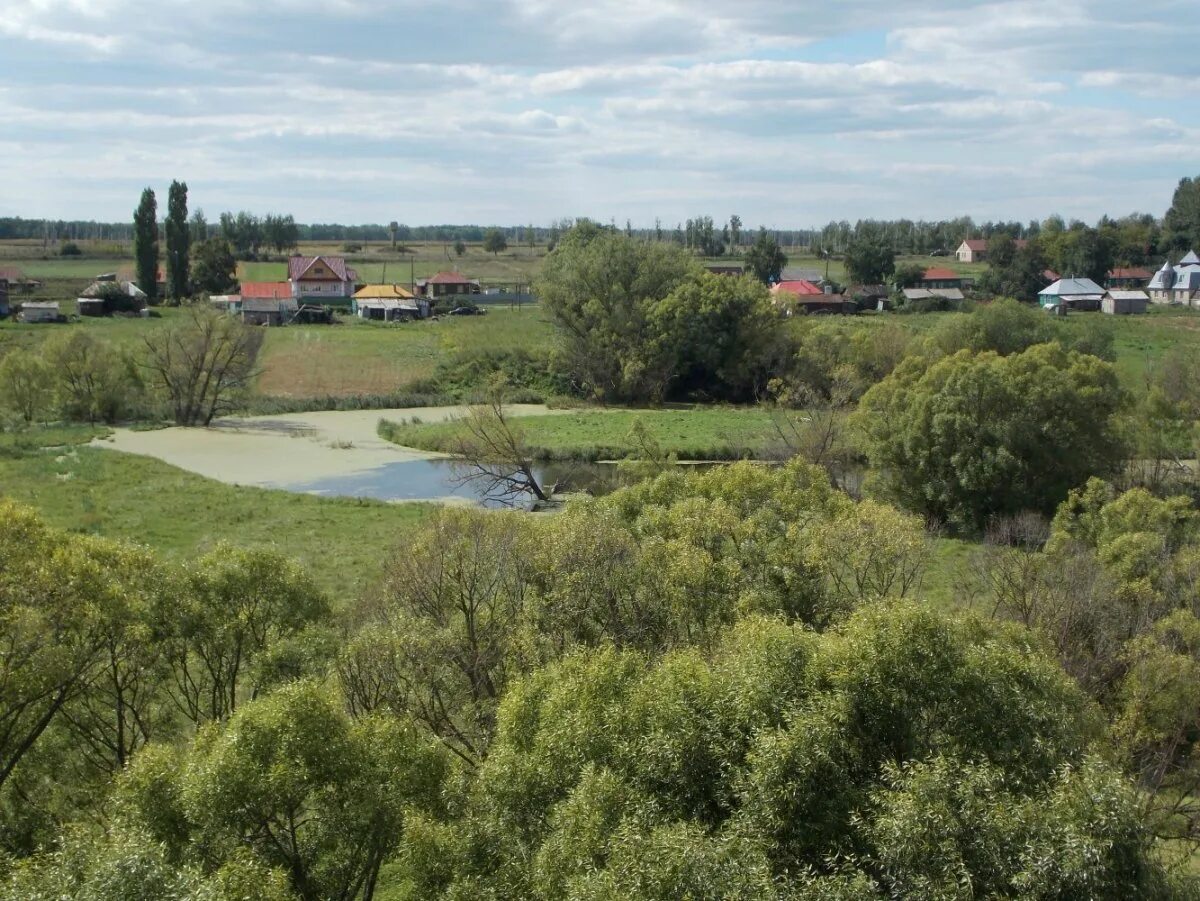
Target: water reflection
<point x="416" y="480"/>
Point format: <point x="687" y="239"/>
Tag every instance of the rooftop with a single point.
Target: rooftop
<point x="800" y="288"/>
<point x="261" y="290"/>
<point x="382" y="292"/>
<point x="1072" y="287"/>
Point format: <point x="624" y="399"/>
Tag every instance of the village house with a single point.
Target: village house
<point x="268" y="311"/>
<point x="974" y="250"/>
<point x="266" y="303"/>
<point x="388" y="303"/>
<point x="445" y="284"/>
<point x="796" y="288"/>
<point x="938" y="278"/>
<point x="874" y="297"/>
<point x="13" y="278"/>
<point x="1131" y="277"/>
<point x="1123" y="302"/>
<point x="1072" y="294"/>
<point x="324" y="279"/>
<point x="930" y="293"/>
<point x="1177" y="284"/>
<point x="93" y="300"/>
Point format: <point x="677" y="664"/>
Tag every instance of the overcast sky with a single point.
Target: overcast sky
<point x="786" y="112"/>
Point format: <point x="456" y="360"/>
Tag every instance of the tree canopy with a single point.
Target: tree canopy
<point x="975" y="435"/>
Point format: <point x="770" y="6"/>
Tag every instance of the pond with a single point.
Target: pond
<point x="414" y="480"/>
<point x="336" y="454"/>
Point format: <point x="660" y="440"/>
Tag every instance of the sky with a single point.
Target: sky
<point x="789" y="113"/>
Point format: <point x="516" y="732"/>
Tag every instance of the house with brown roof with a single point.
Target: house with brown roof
<point x="974" y="250"/>
<point x="940" y="277"/>
<point x="447" y="283"/>
<point x="1131" y="277"/>
<point x="321" y="278"/>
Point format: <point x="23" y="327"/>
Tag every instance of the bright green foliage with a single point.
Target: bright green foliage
<point x="765" y="259"/>
<point x="295" y="782"/>
<point x="899" y="755"/>
<point x="145" y="244"/>
<point x="26" y="387"/>
<point x="237" y="614"/>
<point x="1004" y="326"/>
<point x="179" y="238"/>
<point x="480" y="599"/>
<point x="978" y="435"/>
<point x="92" y="380"/>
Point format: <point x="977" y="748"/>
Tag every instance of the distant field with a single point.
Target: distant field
<point x="694" y="433"/>
<point x="344" y="542"/>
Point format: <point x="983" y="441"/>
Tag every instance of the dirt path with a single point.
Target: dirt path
<point x="289" y="450"/>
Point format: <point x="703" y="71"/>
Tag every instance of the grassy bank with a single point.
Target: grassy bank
<point x="342" y="541"/>
<point x="696" y="433"/>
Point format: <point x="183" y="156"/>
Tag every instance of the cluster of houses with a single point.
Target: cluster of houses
<point x="315" y="286"/>
<point x="1127" y="291"/>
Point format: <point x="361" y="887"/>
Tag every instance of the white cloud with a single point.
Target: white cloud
<point x="791" y="112"/>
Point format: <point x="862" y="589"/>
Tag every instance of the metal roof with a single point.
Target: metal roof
<point x="1190" y="260"/>
<point x="1071" y="287"/>
<point x="1129" y="295"/>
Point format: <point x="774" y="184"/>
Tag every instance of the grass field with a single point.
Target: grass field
<point x="369" y="358"/>
<point x="343" y="542"/>
<point x="694" y="433"/>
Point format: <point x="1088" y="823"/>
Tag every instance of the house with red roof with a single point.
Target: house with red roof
<point x="321" y="278"/>
<point x="940" y="277"/>
<point x="796" y="288"/>
<point x="447" y="283"/>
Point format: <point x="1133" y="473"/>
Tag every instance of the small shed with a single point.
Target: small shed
<point x="388" y="303"/>
<point x="1125" y="303"/>
<point x="40" y="311"/>
<point x="268" y="311"/>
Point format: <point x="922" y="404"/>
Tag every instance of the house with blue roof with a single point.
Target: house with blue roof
<point x="1072" y="294"/>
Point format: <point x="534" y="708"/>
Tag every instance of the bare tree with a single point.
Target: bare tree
<point x="808" y="426"/>
<point x="493" y="455"/>
<point x="202" y="363"/>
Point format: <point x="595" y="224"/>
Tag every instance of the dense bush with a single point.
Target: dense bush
<point x="976" y="435"/>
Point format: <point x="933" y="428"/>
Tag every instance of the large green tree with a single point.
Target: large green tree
<point x="494" y="241"/>
<point x="145" y="244"/>
<point x="903" y="755"/>
<point x="178" y="242"/>
<point x="765" y="259"/>
<point x="1182" y="221"/>
<point x="294" y="782"/>
<point x="599" y="288"/>
<point x="214" y="267"/>
<point x="977" y="434"/>
<point x="869" y="261"/>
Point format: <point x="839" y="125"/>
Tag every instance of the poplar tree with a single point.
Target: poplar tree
<point x="145" y="244"/>
<point x="178" y="241"/>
